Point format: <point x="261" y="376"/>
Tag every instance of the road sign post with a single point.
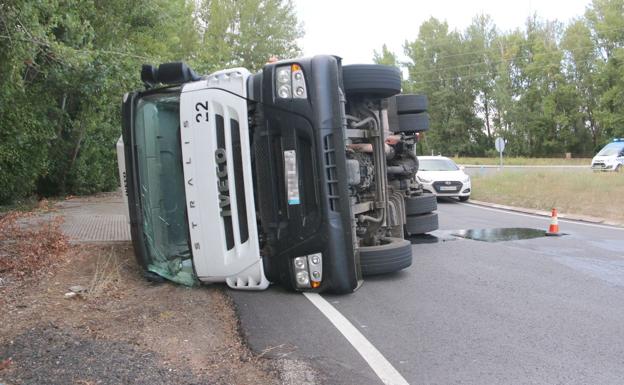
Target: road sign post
<point x="499" y="144"/>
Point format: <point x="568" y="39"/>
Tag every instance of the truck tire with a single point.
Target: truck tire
<point x="421" y="224"/>
<point x="392" y="256"/>
<point x="411" y="103"/>
<point x="413" y="122"/>
<point x="421" y="204"/>
<point x="371" y="79"/>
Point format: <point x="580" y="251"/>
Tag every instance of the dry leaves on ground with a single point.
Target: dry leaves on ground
<point x="28" y="245"/>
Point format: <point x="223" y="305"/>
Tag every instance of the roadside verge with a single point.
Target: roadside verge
<point x="566" y="216"/>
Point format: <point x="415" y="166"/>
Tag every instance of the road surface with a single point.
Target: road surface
<point x="535" y="311"/>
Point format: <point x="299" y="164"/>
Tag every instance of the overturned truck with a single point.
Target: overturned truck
<point x="302" y="174"/>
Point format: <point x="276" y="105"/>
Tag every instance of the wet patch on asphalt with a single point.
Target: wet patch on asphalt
<point x="500" y="234"/>
<point x="435" y="237"/>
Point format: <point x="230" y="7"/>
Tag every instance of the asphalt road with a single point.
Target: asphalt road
<point x="535" y="311"/>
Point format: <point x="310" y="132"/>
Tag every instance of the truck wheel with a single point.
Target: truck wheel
<point x="371" y="79"/>
<point x="393" y="255"/>
<point x="411" y="103"/>
<point x="421" y="204"/>
<point x="421" y="224"/>
<point x="413" y="122"/>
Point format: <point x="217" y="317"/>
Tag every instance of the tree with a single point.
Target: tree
<point x="247" y="32"/>
<point x="581" y="67"/>
<point x="480" y="37"/>
<point x="439" y="68"/>
<point x="65" y="66"/>
<point x="605" y="19"/>
<point x="385" y="57"/>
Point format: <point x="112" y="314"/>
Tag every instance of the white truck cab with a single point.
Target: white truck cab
<point x="610" y="158"/>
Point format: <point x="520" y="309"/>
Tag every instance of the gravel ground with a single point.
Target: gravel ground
<point x="49" y="355"/>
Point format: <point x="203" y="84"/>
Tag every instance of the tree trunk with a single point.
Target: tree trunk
<point x="486" y="107"/>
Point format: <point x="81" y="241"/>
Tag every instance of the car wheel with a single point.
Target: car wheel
<point x="410" y="103"/>
<point x="421" y="224"/>
<point x="411" y="123"/>
<point x="421" y="204"/>
<point x="371" y="79"/>
<point x="618" y="168"/>
<point x="464" y="199"/>
<point x="393" y="255"/>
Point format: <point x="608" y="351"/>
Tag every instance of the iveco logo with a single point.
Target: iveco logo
<point x="447" y="183"/>
<point x="222" y="182"/>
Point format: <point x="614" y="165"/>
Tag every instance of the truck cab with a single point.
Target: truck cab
<point x="285" y="176"/>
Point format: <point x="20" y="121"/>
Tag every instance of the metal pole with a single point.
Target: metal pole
<point x="501" y="159"/>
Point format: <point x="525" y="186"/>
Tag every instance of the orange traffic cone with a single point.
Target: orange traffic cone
<point x="553" y="229"/>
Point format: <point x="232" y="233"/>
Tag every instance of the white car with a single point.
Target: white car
<point x="442" y="177"/>
<point x="610" y="158"/>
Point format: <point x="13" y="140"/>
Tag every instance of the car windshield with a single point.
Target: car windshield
<point x="161" y="186"/>
<point x="612" y="149"/>
<point x="437" y="165"/>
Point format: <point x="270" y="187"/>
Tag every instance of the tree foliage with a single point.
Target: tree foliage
<point x="65" y="64"/>
<point x="247" y="33"/>
<point x="547" y="88"/>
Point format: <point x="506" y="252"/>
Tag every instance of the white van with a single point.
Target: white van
<point x="610" y="158"/>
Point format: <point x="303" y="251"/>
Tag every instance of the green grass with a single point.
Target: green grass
<point x="525" y="161"/>
<point x="571" y="192"/>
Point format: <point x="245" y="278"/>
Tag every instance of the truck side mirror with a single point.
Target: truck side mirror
<point x="149" y="75"/>
<point x="167" y="73"/>
<point x="176" y="73"/>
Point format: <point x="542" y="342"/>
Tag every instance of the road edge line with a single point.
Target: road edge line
<point x="515" y="211"/>
<point x="373" y="357"/>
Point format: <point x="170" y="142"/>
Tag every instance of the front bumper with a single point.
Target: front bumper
<point x="317" y="218"/>
<point x="438" y="188"/>
<point x="599" y="166"/>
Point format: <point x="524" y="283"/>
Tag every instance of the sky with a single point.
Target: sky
<point x="354" y="29"/>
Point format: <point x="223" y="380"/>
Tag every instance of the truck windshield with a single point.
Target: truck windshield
<point x="161" y="186"/>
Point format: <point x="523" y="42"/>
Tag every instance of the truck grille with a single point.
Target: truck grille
<point x="238" y="179"/>
<point x="330" y="168"/>
<point x="445" y="186"/>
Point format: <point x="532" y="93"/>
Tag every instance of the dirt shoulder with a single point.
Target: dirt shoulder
<point x="118" y="328"/>
<point x="122" y="330"/>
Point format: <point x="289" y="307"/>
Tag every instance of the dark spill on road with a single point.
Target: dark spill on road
<point x="500" y="234"/>
<point x="428" y="238"/>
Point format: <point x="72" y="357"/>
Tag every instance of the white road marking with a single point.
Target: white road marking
<point x="380" y="365"/>
<point x="541" y="216"/>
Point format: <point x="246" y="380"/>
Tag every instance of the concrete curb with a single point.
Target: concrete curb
<point x="571" y="217"/>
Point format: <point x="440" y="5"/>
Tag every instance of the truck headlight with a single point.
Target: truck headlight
<point x="290" y="82"/>
<point x="283" y="75"/>
<point x="308" y="271"/>
<point x="303" y="279"/>
<point x="283" y="92"/>
<point x="300" y="263"/>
